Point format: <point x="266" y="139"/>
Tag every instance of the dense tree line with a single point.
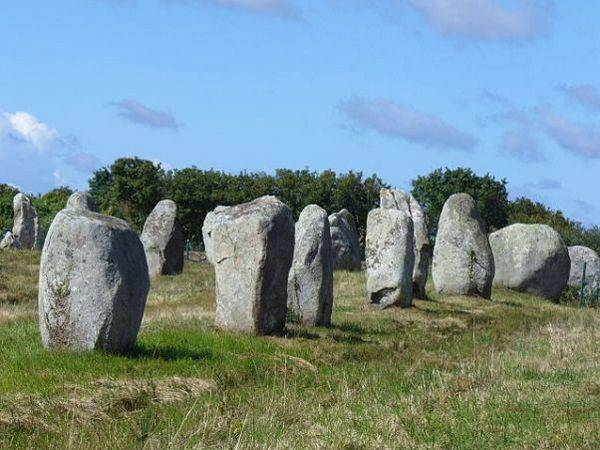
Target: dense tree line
<point x="130" y="187"/>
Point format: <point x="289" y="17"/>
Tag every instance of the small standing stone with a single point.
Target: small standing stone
<point x="531" y="258"/>
<point x="310" y="282"/>
<point x="251" y="247"/>
<point x="82" y="200"/>
<point x="163" y="240"/>
<point x="462" y="257"/>
<point x="390" y="257"/>
<point x="344" y="241"/>
<point x="9" y="242"/>
<point x="393" y="198"/>
<point x="93" y="283"/>
<point x="581" y="255"/>
<point x="25" y="225"/>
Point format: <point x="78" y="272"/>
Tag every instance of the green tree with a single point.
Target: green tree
<point x="47" y="206"/>
<point x="129" y="189"/>
<point x="7" y="194"/>
<point x="491" y="196"/>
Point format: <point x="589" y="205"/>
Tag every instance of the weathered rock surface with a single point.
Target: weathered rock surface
<point x="25" y="225"/>
<point x="82" y="201"/>
<point x="310" y="282"/>
<point x="462" y="258"/>
<point x="390" y="257"/>
<point x="579" y="256"/>
<point x="251" y="247"/>
<point x="531" y="258"/>
<point x="344" y="241"/>
<point x="163" y="240"/>
<point x="396" y="199"/>
<point x="93" y="283"/>
<point x="9" y="242"/>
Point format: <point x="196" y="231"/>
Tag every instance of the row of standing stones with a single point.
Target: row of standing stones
<point x="95" y="271"/>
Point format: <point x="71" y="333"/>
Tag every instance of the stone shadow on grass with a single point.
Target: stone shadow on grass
<point x="168" y="353"/>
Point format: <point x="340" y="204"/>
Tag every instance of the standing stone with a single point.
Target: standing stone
<point x="462" y="257"/>
<point x="579" y="256"/>
<point x="25" y="225"/>
<point x="163" y="240"/>
<point x="310" y="282"/>
<point x="344" y="241"/>
<point x="9" y="242"/>
<point x="251" y="247"/>
<point x="93" y="283"/>
<point x="392" y="198"/>
<point x="531" y="258"/>
<point x="83" y="201"/>
<point x="390" y="257"/>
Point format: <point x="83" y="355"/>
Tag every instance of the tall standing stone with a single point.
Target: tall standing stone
<point x="163" y="240"/>
<point x="25" y="225"/>
<point x="462" y="258"/>
<point x="310" y="282"/>
<point x="344" y="241"/>
<point x="83" y="201"/>
<point x="251" y="247"/>
<point x="390" y="257"/>
<point x="581" y="256"/>
<point x="531" y="258"/>
<point x="393" y="198"/>
<point x="93" y="283"/>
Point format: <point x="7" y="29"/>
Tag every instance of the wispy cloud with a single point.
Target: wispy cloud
<point x="584" y="94"/>
<point x="487" y="19"/>
<point x="493" y="97"/>
<point x="25" y="139"/>
<point x="580" y="139"/>
<point x="83" y="162"/>
<point x="520" y="144"/>
<point x="398" y="121"/>
<point x="136" y="112"/>
<point x="546" y="184"/>
<point x="280" y="8"/>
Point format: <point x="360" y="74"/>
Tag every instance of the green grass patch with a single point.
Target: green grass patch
<point x="451" y="372"/>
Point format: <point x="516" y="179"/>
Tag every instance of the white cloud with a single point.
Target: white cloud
<point x="27" y="128"/>
<point x="486" y="19"/>
<point x="398" y="121"/>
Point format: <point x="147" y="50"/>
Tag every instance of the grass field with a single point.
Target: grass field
<point x="452" y="372"/>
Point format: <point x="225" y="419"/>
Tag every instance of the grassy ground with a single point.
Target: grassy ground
<point x="517" y="372"/>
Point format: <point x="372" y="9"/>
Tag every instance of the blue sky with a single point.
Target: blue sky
<point x="396" y="87"/>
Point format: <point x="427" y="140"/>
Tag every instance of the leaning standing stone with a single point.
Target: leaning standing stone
<point x="462" y="257"/>
<point x="581" y="256"/>
<point x="93" y="283"/>
<point x="396" y="199"/>
<point x="310" y="282"/>
<point x="25" y="226"/>
<point x="163" y="240"/>
<point x="251" y="247"/>
<point x="531" y="258"/>
<point x="390" y="257"/>
<point x="344" y="241"/>
<point x="82" y="201"/>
